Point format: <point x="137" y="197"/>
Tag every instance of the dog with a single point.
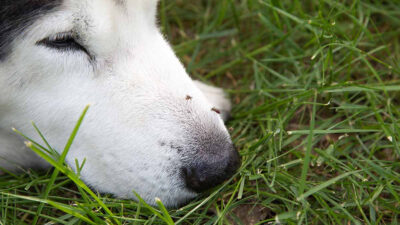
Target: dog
<point x="150" y="129"/>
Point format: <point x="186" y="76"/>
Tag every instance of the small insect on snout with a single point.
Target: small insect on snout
<point x="216" y="110"/>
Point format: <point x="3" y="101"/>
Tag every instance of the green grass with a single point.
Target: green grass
<point x="315" y="87"/>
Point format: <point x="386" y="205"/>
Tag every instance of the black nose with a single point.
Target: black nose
<point x="210" y="170"/>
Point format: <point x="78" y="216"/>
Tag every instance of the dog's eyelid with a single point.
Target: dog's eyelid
<point x="59" y="36"/>
<point x="62" y="35"/>
<point x="64" y="41"/>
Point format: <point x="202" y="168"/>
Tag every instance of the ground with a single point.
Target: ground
<point x="315" y="88"/>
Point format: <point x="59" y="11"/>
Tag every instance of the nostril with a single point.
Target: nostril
<point x="205" y="174"/>
<point x="189" y="176"/>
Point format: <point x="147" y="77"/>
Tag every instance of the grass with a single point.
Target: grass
<point x="315" y="87"/>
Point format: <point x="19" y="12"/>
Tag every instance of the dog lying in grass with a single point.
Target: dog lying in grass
<point x="151" y="128"/>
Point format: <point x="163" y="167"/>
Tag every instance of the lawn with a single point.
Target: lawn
<point x="315" y="88"/>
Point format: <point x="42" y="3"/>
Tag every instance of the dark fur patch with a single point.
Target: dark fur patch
<point x="16" y="15"/>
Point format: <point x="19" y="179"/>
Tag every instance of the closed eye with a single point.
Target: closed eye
<point x="64" y="41"/>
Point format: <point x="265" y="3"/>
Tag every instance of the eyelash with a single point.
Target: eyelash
<point x="64" y="41"/>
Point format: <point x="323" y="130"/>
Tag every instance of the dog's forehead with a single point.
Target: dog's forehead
<point x="128" y="7"/>
<point x="107" y="15"/>
<point x="92" y="17"/>
<point x="104" y="24"/>
<point x="17" y="15"/>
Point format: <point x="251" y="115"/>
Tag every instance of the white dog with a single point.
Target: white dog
<point x="150" y="128"/>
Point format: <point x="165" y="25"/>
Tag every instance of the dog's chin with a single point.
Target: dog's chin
<point x="178" y="202"/>
<point x="173" y="199"/>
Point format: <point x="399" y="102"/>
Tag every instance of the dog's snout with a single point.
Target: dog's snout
<point x="211" y="170"/>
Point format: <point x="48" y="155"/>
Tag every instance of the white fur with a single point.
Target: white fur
<point x="137" y="89"/>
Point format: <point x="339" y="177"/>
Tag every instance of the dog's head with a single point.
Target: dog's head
<point x="150" y="128"/>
